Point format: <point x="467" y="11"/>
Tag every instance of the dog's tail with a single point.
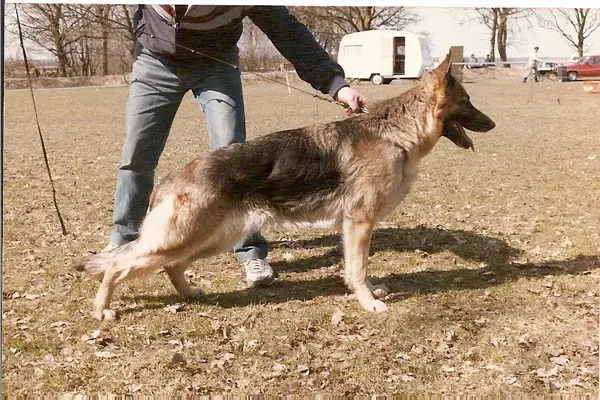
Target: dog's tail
<point x="94" y="265"/>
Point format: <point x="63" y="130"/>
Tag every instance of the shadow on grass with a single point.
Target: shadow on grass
<point x="464" y="244"/>
<point x="495" y="253"/>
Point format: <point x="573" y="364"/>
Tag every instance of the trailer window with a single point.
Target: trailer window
<point x="352" y="50"/>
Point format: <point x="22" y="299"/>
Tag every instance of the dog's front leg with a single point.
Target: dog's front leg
<point x="111" y="278"/>
<point x="357" y="230"/>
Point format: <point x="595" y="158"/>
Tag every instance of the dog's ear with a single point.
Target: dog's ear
<point x="439" y="76"/>
<point x="446" y="65"/>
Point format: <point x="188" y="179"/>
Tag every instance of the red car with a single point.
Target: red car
<point x="586" y="67"/>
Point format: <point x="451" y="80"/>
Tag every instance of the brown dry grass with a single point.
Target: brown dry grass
<point x="492" y="260"/>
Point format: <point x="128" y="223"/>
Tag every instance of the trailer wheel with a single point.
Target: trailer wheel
<point x="376" y="79"/>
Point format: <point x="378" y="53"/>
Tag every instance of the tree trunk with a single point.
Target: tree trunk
<point x="104" y="50"/>
<point x="57" y="38"/>
<point x="494" y="28"/>
<point x="580" y="14"/>
<point x="580" y="40"/>
<point x="130" y="30"/>
<point x="61" y="57"/>
<point x="502" y="35"/>
<point x="104" y="24"/>
<point x="61" y="54"/>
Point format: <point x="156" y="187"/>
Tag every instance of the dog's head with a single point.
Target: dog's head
<point x="458" y="111"/>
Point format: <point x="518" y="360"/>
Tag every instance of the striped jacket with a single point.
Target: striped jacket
<point x="216" y="30"/>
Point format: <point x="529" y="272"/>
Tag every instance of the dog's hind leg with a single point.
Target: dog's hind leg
<point x="176" y="274"/>
<point x="357" y="230"/>
<point x="125" y="266"/>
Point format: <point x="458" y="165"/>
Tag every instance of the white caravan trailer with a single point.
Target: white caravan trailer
<point x="383" y="55"/>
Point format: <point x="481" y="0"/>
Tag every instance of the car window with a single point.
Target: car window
<point x="596" y="60"/>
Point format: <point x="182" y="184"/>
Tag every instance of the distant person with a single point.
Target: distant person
<point x="487" y="59"/>
<point x="473" y="62"/>
<point x="532" y="65"/>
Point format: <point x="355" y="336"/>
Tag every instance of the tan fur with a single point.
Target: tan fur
<point x="347" y="174"/>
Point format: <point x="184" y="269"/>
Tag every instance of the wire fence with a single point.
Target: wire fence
<point x="45" y="82"/>
<point x="50" y="82"/>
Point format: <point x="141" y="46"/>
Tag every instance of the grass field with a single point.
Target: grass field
<point x="493" y="263"/>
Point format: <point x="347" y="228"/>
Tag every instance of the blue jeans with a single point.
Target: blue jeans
<point x="156" y="91"/>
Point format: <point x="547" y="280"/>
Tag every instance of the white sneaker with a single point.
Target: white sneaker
<point x="258" y="272"/>
<point x="110" y="247"/>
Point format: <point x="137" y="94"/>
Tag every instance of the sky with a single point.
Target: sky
<point x="442" y="23"/>
<point x="445" y="30"/>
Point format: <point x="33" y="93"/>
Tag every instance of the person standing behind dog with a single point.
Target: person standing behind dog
<point x="532" y="65"/>
<point x="163" y="73"/>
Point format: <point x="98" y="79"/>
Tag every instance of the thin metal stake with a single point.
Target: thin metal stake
<point x="37" y="120"/>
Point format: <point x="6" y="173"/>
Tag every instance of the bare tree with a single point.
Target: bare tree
<point x="125" y="24"/>
<point x="489" y="17"/>
<point x="502" y="32"/>
<point x="486" y="16"/>
<point x="509" y="20"/>
<point x="111" y="31"/>
<point x="327" y="34"/>
<point x="81" y="53"/>
<point x="50" y="26"/>
<point x="256" y="50"/>
<point x="501" y="22"/>
<point x="575" y="25"/>
<point x="83" y="38"/>
<point x="103" y="12"/>
<point x="330" y="24"/>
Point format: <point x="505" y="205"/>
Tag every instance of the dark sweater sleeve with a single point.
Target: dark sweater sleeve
<point x="295" y="42"/>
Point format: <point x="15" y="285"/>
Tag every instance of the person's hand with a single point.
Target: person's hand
<point x="355" y="102"/>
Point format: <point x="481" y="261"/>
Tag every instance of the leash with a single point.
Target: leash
<point x="37" y="120"/>
<point x="237" y="67"/>
<point x="138" y="32"/>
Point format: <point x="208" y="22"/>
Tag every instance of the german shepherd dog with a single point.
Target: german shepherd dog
<point x="346" y="174"/>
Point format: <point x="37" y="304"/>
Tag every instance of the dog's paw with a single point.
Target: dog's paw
<point x="380" y="291"/>
<point x="374" y="305"/>
<point x="106" y="315"/>
<point x="109" y="315"/>
<point x="378" y="306"/>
